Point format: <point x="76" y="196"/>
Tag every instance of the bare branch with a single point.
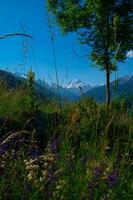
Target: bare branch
<point x="15" y="34"/>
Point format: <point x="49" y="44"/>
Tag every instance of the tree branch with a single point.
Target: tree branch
<point x="15" y="34"/>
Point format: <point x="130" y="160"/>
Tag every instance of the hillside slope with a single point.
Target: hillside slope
<point x="125" y="87"/>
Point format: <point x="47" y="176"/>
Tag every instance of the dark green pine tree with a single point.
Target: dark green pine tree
<point x="104" y="25"/>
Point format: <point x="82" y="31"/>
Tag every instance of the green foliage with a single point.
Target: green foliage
<point x="86" y="154"/>
<point x="12" y="103"/>
<point x="32" y="98"/>
<point x="106" y="26"/>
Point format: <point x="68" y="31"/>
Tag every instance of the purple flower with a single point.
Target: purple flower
<point x="13" y="142"/>
<point x="54" y="144"/>
<point x="50" y="174"/>
<point x="34" y="152"/>
<point x="97" y="171"/>
<point x="112" y="179"/>
<point x="4" y="147"/>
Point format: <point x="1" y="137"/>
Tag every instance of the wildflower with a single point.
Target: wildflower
<point x="29" y="177"/>
<point x="84" y="159"/>
<point x="112" y="179"/>
<point x="25" y="161"/>
<point x="51" y="158"/>
<point x="50" y="167"/>
<point x="35" y="167"/>
<point x="28" y="167"/>
<point x="44" y="158"/>
<point x="70" y="156"/>
<point x="3" y="162"/>
<point x="44" y="173"/>
<point x="34" y="152"/>
<point x="107" y="148"/>
<point x="4" y="147"/>
<point x="13" y="153"/>
<point x="126" y="154"/>
<point x="45" y="164"/>
<point x="58" y="187"/>
<point x="4" y="156"/>
<point x="31" y="161"/>
<point x="50" y="173"/>
<point x="41" y="179"/>
<point x="62" y="182"/>
<point x="6" y="153"/>
<point x="2" y="165"/>
<point x="97" y="171"/>
<point x="54" y="144"/>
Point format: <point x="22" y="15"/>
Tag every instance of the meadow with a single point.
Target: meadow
<point x="69" y="151"/>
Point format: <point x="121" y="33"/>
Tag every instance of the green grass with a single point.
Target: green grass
<point x="85" y="154"/>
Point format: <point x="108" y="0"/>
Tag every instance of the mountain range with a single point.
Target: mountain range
<point x="13" y="81"/>
<point x="72" y="90"/>
<point x="124" y="88"/>
<point x="77" y="87"/>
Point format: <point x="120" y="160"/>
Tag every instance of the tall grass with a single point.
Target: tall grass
<point x="87" y="154"/>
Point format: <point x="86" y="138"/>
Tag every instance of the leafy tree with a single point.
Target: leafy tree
<point x="104" y="25"/>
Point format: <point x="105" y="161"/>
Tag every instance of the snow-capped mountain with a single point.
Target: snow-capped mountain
<point x="72" y="90"/>
<point x="76" y="86"/>
<point x="65" y="94"/>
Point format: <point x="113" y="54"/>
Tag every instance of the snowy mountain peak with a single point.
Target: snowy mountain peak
<point x="76" y="83"/>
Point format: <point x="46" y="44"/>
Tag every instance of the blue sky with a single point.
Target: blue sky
<point x="32" y="15"/>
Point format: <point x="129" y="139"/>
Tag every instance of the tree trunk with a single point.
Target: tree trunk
<point x="107" y="85"/>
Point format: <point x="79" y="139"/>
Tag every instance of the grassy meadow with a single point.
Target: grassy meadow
<point x="73" y="151"/>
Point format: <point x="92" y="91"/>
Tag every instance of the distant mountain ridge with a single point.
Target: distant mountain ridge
<point x="10" y="80"/>
<point x="71" y="91"/>
<point x="124" y="88"/>
<point x="14" y="81"/>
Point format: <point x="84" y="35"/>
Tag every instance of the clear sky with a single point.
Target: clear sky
<point x="14" y="14"/>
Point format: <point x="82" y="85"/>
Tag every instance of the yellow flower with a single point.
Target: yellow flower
<point x="29" y="167"/>
<point x="4" y="156"/>
<point x="45" y="164"/>
<point x="58" y="187"/>
<point x="44" y="157"/>
<point x="44" y="173"/>
<point x="35" y="167"/>
<point x="29" y="177"/>
<point x="51" y="159"/>
<point x="2" y="166"/>
<point x="25" y="161"/>
<point x="41" y="179"/>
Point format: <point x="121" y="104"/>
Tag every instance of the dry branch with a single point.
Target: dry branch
<point x="15" y="34"/>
